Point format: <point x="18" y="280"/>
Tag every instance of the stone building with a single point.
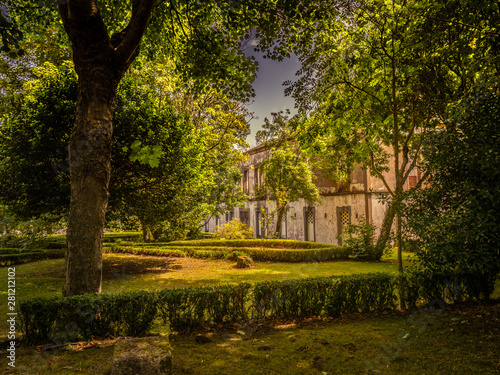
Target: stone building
<point x="341" y="203"/>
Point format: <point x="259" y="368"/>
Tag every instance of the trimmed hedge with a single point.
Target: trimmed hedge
<point x="258" y="254"/>
<point x="254" y="242"/>
<point x="25" y="256"/>
<point x="90" y="316"/>
<point x="61" y="320"/>
<point x="122" y="236"/>
<point x="185" y="309"/>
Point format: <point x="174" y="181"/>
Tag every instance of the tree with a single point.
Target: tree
<point x="368" y="97"/>
<point x="455" y="219"/>
<point x="164" y="170"/>
<point x="105" y="38"/>
<point x="374" y="86"/>
<point x="287" y="172"/>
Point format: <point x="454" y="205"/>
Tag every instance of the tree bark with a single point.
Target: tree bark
<point x="100" y="62"/>
<point x="146" y="232"/>
<point x="90" y="168"/>
<point x="281" y="213"/>
<point x="385" y="232"/>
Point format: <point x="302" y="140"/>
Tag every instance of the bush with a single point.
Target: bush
<point x="60" y="320"/>
<point x="234" y="230"/>
<point x="455" y="219"/>
<point x="185" y="309"/>
<point x="219" y="252"/>
<point x="253" y="242"/>
<point x="19" y="256"/>
<point x="360" y="239"/>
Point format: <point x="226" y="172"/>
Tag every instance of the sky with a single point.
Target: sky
<point x="269" y="90"/>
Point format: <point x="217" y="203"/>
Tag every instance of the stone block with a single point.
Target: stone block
<point x="142" y="356"/>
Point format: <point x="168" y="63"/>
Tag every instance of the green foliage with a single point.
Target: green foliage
<point x="360" y="239"/>
<point x="254" y="242"/>
<point x="60" y="320"/>
<point x="33" y="144"/>
<point x="455" y="219"/>
<point x="287" y="173"/>
<point x="173" y="157"/>
<point x="219" y="251"/>
<point x="190" y="308"/>
<point x="234" y="230"/>
<point x="9" y="256"/>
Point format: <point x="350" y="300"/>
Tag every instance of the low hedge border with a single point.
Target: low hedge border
<point x="258" y="254"/>
<point x="26" y="256"/>
<point x="60" y="320"/>
<point x="255" y="242"/>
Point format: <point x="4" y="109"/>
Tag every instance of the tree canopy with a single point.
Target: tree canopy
<point x="168" y="166"/>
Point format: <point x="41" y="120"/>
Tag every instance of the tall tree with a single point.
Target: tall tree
<point x="169" y="168"/>
<point x="105" y="38"/>
<point x="376" y="83"/>
<point x="455" y="221"/>
<point x="287" y="172"/>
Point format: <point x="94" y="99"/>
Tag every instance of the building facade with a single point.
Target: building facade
<point x="341" y="203"/>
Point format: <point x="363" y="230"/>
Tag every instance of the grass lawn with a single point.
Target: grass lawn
<point x="123" y="273"/>
<point x="459" y="341"/>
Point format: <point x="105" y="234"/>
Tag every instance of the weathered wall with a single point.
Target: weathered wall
<point x="359" y="196"/>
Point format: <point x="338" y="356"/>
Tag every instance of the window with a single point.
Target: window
<point x="343" y="219"/>
<point x="245" y="217"/>
<point x="245" y="182"/>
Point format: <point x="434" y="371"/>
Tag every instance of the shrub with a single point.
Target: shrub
<point x="19" y="256"/>
<point x="60" y="320"/>
<point x="219" y="252"/>
<point x="360" y="239"/>
<point x="185" y="309"/>
<point x="234" y="230"/>
<point x="253" y="242"/>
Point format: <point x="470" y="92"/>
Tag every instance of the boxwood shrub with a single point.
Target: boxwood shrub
<point x="259" y="254"/>
<point x="18" y="256"/>
<point x="84" y="317"/>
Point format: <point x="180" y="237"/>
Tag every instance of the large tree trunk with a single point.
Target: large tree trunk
<point x="90" y="168"/>
<point x="100" y="62"/>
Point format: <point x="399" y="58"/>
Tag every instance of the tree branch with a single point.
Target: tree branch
<point x="368" y="93"/>
<point x="141" y="13"/>
<point x="379" y="175"/>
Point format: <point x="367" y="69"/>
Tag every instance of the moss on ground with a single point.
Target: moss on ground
<point x="462" y="340"/>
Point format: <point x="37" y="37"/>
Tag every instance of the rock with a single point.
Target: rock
<point x="146" y="355"/>
<point x="244" y="262"/>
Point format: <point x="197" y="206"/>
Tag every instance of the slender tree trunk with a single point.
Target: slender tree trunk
<point x="385" y="232"/>
<point x="281" y="212"/>
<point x="90" y="167"/>
<point x="147" y="236"/>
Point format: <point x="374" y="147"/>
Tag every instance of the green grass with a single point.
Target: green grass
<point x="453" y="342"/>
<point x="458" y="341"/>
<point x="122" y="273"/>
